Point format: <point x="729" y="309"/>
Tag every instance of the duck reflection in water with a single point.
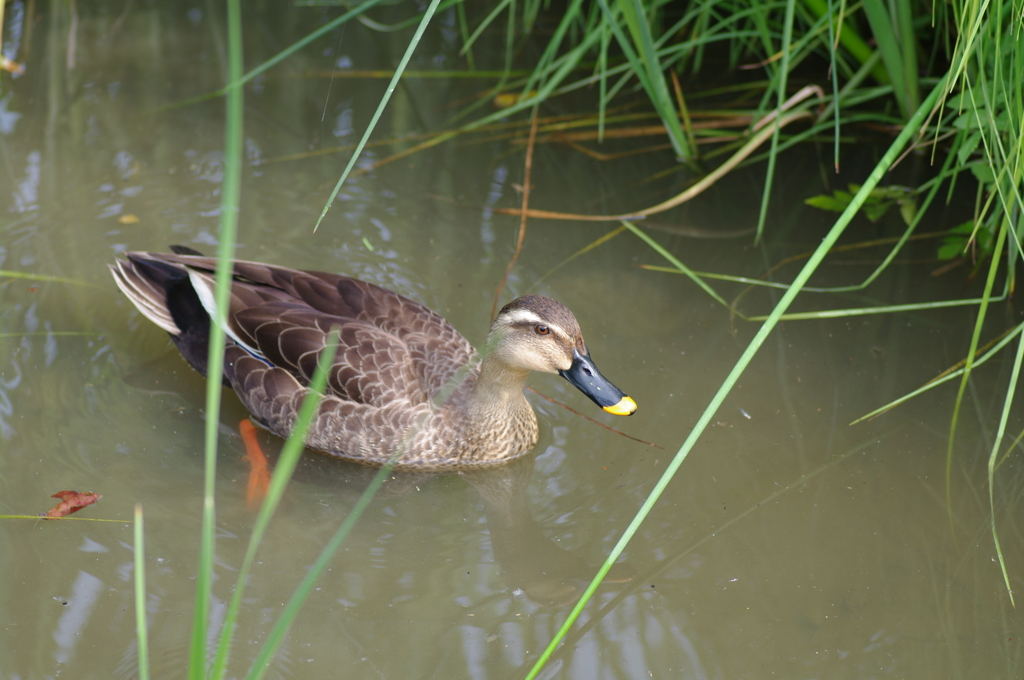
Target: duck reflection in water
<point x="530" y="561"/>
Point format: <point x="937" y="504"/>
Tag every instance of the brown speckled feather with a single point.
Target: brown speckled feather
<point x="264" y="294"/>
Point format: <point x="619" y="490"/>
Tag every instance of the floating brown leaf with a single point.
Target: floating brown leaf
<point x="71" y="501"/>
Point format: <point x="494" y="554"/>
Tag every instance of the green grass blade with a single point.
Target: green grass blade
<point x="299" y="44"/>
<point x="602" y="71"/>
<point x="635" y="64"/>
<point x="882" y="309"/>
<point x="969" y="363"/>
<point x="852" y="42"/>
<point x="9" y="274"/>
<point x="294" y="604"/>
<point x="711" y="533"/>
<point x="933" y="188"/>
<point x="510" y="35"/>
<point x="585" y="249"/>
<point x="413" y="20"/>
<point x="755" y="344"/>
<point x="946" y="378"/>
<point x="680" y="267"/>
<point x="640" y="27"/>
<point x="230" y="190"/>
<point x="562" y="68"/>
<point x="834" y="77"/>
<point x="291" y="609"/>
<point x="36" y="518"/>
<point x="488" y="20"/>
<point x="782" y="76"/>
<point x="850" y="88"/>
<point x="969" y="26"/>
<point x="141" y="634"/>
<point x="282" y="475"/>
<point x="1015" y="374"/>
<point x="464" y="33"/>
<point x="47" y="334"/>
<point x="427" y="16"/>
<point x="277" y="58"/>
<point x="908" y="54"/>
<point x="547" y="58"/>
<point x="645" y="66"/>
<point x="887" y="260"/>
<point x="892" y="56"/>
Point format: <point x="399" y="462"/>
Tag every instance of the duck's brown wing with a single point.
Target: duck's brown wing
<point x="390" y="347"/>
<point x="350" y="429"/>
<point x="370" y="366"/>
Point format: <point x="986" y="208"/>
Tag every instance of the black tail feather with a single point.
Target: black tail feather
<point x="185" y="250"/>
<point x="185" y="308"/>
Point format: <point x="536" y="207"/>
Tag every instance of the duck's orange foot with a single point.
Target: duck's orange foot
<point x="259" y="475"/>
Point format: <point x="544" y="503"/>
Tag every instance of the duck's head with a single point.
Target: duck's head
<point x="536" y="333"/>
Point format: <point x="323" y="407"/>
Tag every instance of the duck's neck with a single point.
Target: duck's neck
<point x="496" y="413"/>
<point x="499" y="386"/>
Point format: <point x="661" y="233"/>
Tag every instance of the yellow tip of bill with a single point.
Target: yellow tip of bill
<point x="625" y="407"/>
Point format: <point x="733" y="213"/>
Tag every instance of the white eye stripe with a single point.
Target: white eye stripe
<point x="526" y="317"/>
<point x="521" y="316"/>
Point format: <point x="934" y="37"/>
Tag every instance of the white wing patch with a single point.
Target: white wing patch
<point x="204" y="287"/>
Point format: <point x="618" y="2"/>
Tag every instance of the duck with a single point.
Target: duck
<point x="405" y="387"/>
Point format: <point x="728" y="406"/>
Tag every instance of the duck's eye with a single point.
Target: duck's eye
<point x="542" y="329"/>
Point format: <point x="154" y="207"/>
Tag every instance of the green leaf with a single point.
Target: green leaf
<point x="893" y="192"/>
<point x="826" y="202"/>
<point x="882" y="194"/>
<point x="951" y="248"/>
<point x="969" y="120"/>
<point x="877" y="203"/>
<point x="875" y="211"/>
<point x="968" y="147"/>
<point x="908" y="209"/>
<point x="982" y="171"/>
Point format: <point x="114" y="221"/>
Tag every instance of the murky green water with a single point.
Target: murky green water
<point x="789" y="545"/>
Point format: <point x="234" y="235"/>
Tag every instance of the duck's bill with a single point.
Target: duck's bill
<point x="583" y="374"/>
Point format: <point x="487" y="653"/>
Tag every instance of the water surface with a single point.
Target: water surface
<point x="790" y="544"/>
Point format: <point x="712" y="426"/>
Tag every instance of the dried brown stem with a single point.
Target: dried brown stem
<point x="523" y="214"/>
<point x="581" y="415"/>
